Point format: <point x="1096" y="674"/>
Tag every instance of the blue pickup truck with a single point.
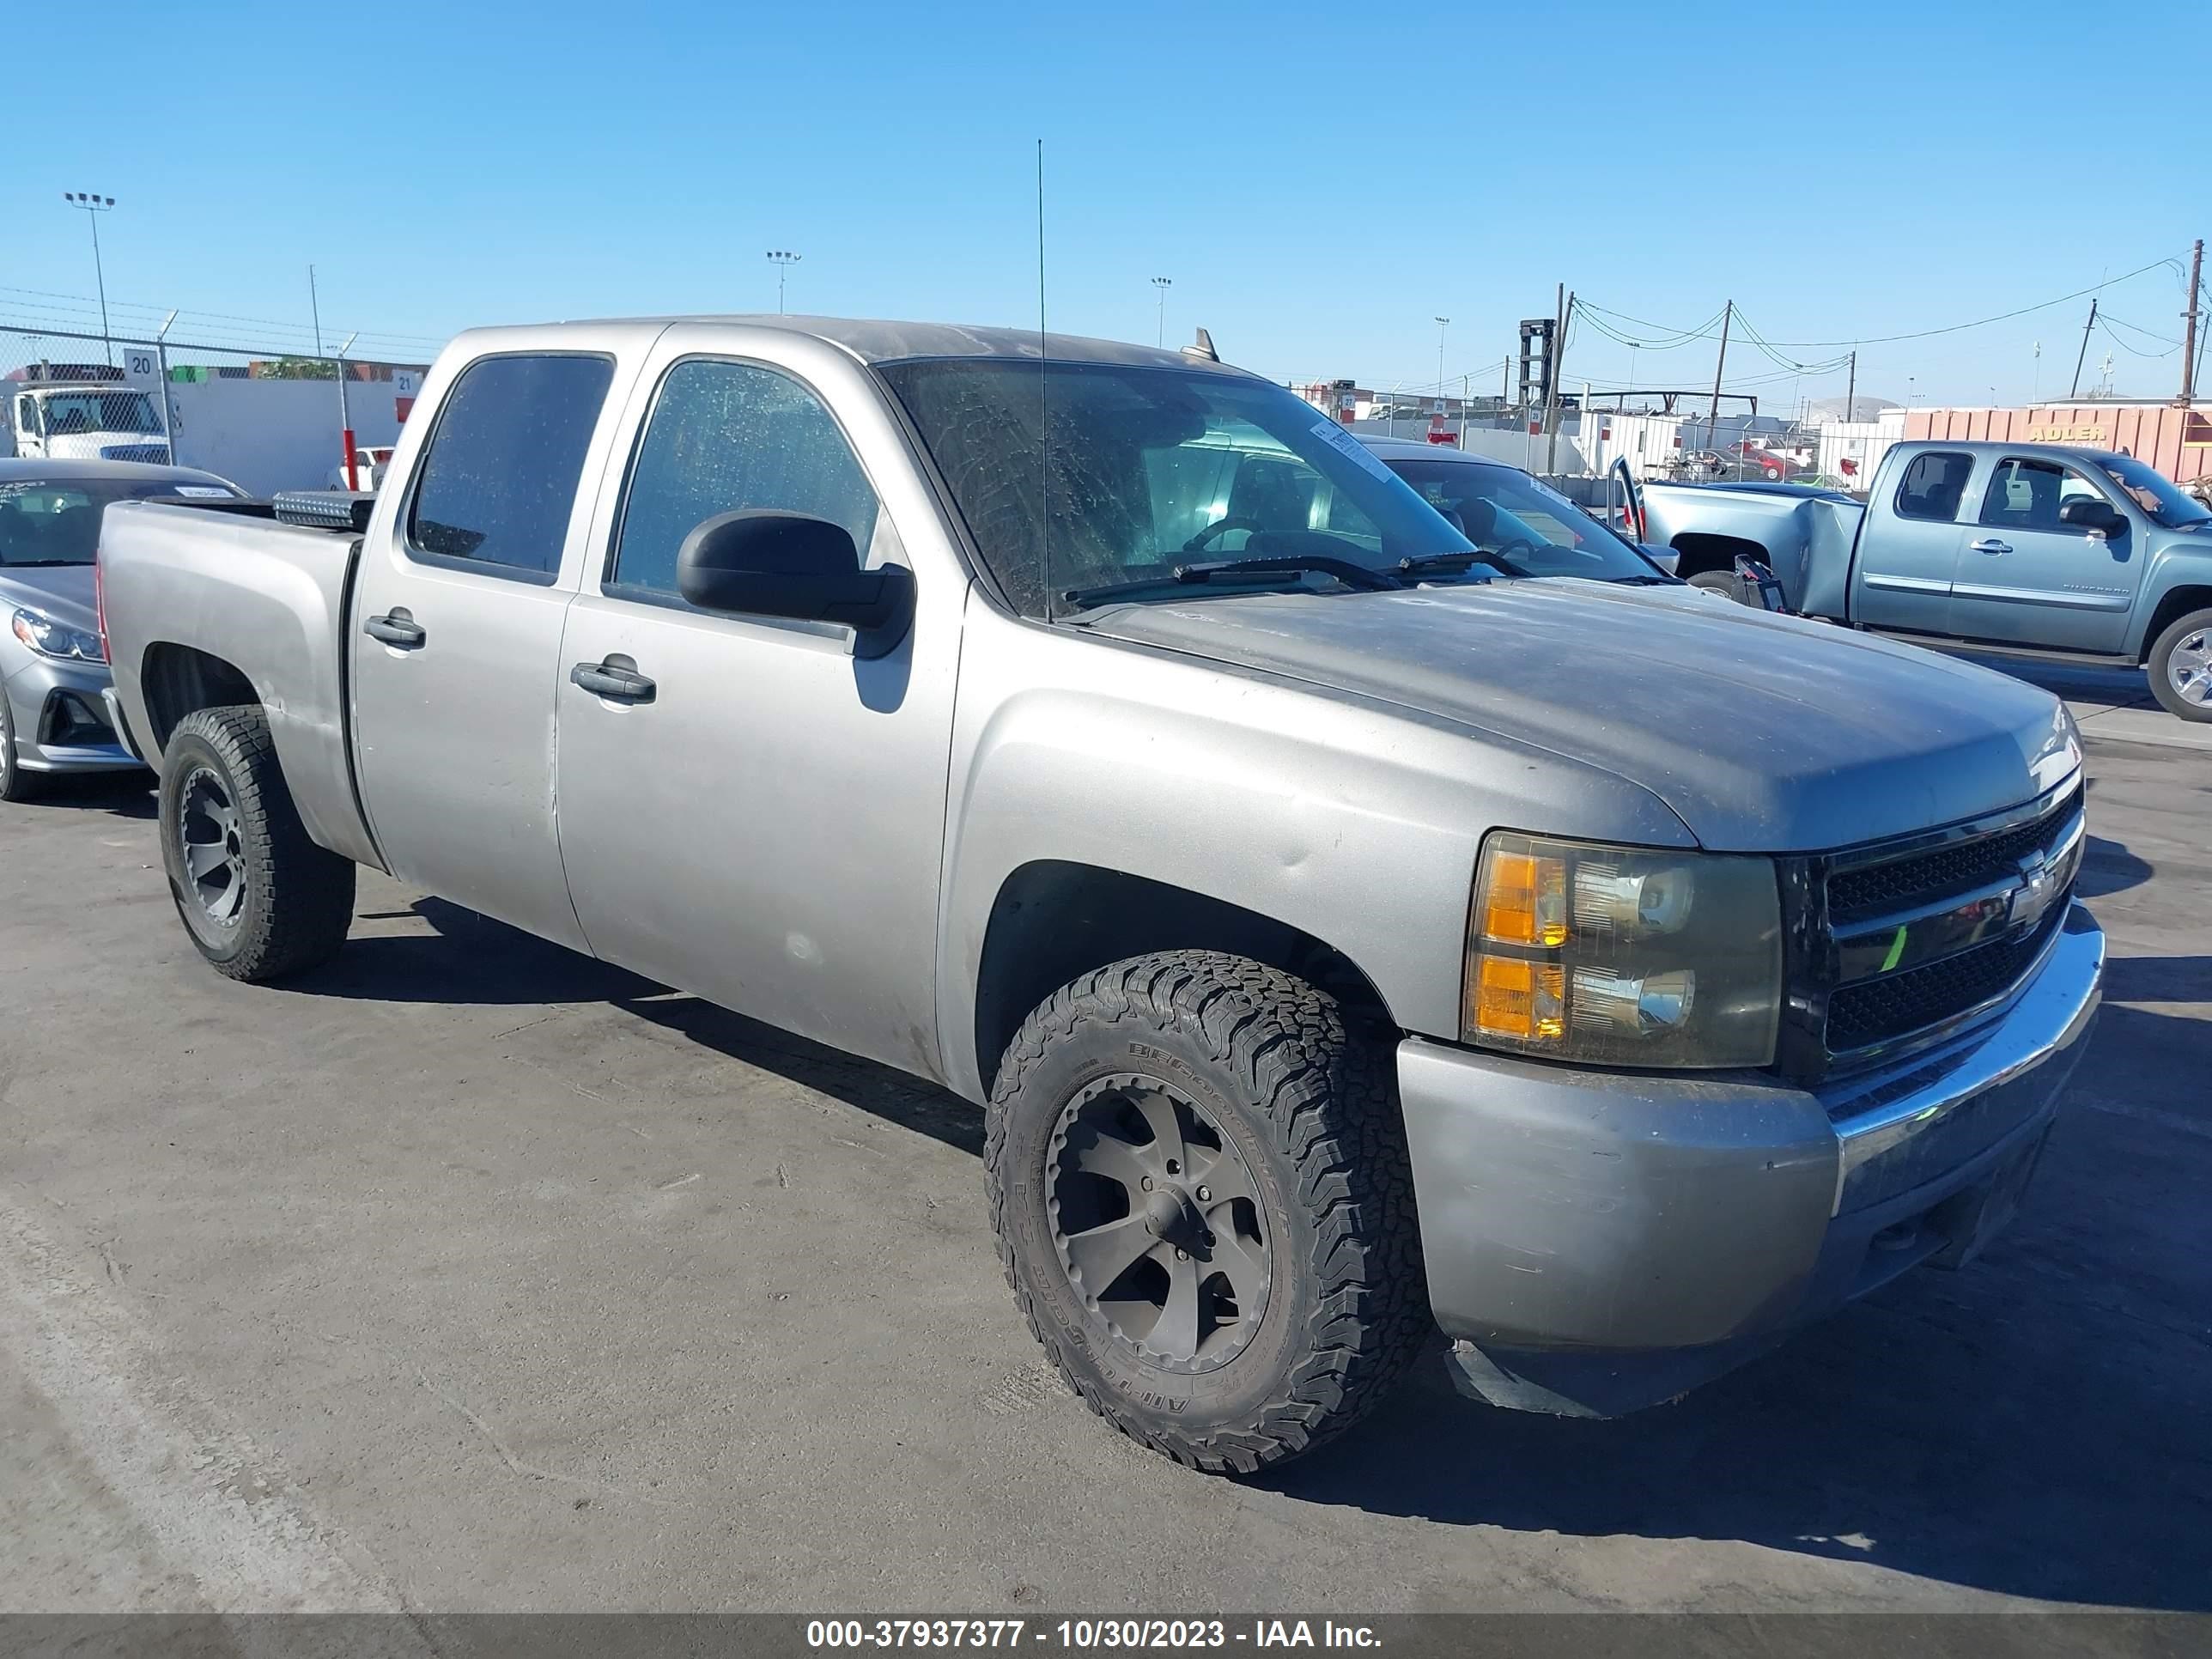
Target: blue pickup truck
<point x="2031" y="548"/>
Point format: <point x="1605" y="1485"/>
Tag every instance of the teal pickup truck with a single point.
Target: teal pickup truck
<point x="2031" y="548"/>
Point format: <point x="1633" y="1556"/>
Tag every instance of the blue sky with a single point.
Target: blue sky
<point x="1319" y="181"/>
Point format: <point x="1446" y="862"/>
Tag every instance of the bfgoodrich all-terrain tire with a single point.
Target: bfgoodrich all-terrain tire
<point x="1200" y="1183"/>
<point x="2180" y="666"/>
<point x="260" y="899"/>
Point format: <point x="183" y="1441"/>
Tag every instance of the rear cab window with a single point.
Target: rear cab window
<point x="1933" y="486"/>
<point x="498" y="480"/>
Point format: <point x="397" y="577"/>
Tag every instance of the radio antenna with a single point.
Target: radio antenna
<point x="1044" y="411"/>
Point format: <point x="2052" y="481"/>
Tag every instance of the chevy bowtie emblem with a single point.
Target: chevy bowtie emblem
<point x="2039" y="886"/>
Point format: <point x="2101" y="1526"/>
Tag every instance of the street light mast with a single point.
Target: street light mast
<point x="1162" y="284"/>
<point x="783" y="259"/>
<point x="94" y="206"/>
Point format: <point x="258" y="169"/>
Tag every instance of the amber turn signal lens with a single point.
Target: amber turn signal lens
<point x="1525" y="900"/>
<point x="1523" y="1000"/>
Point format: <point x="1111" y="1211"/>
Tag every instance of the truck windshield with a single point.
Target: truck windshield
<point x="100" y="411"/>
<point x="1532" y="529"/>
<point x="2149" y="489"/>
<point x="59" y="522"/>
<point x="1079" y="476"/>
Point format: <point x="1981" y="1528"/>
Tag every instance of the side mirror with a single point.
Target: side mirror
<point x="762" y="562"/>
<point x="2093" y="513"/>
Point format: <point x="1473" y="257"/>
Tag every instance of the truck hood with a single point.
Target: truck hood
<point x="63" y="591"/>
<point x="108" y="447"/>
<point x="1763" y="733"/>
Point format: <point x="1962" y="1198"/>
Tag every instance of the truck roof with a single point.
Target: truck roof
<point x="2010" y="446"/>
<point x="880" y="340"/>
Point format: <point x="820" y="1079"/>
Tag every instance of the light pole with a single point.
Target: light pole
<point x="94" y="206"/>
<point x="1442" y="322"/>
<point x="1162" y="284"/>
<point x="783" y="259"/>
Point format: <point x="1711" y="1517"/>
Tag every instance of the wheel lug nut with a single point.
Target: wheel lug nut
<point x="1148" y="1183"/>
<point x="1182" y="1255"/>
<point x="1204" y="1196"/>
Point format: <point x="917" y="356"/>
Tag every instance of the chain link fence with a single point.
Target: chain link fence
<point x="266" y="419"/>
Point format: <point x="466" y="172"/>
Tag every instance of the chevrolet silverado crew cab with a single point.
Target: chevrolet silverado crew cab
<point x="1344" y="936"/>
<point x="2076" y="554"/>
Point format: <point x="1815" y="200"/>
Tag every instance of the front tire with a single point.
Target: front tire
<point x="16" y="783"/>
<point x="259" y="898"/>
<point x="1199" y="1179"/>
<point x="2180" y="665"/>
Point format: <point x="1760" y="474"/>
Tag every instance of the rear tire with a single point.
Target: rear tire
<point x="1721" y="581"/>
<point x="2180" y="666"/>
<point x="260" y="899"/>
<point x="1275" y="1214"/>
<point x="15" y="782"/>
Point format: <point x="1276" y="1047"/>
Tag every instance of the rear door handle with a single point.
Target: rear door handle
<point x="1989" y="545"/>
<point x="616" y="678"/>
<point x="397" y="630"/>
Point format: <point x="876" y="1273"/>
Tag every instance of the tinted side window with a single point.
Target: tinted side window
<point x="726" y="436"/>
<point x="1932" y="486"/>
<point x="500" y="477"/>
<point x="2026" y="495"/>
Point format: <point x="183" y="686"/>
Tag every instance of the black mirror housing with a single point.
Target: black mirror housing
<point x="765" y="562"/>
<point x="2090" y="512"/>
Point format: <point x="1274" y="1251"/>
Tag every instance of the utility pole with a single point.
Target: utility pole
<point x="1713" y="415"/>
<point x="315" y="311"/>
<point x="2075" y="391"/>
<point x="1566" y="310"/>
<point x="1442" y="322"/>
<point x="2189" y="336"/>
<point x="1852" y="390"/>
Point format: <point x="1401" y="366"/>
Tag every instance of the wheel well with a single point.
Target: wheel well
<point x="1699" y="551"/>
<point x="2176" y="604"/>
<point x="1053" y="921"/>
<point x="179" y="681"/>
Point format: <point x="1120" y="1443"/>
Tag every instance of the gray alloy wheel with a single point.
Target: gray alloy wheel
<point x="2180" y="667"/>
<point x="211" y="849"/>
<point x="1158" y="1224"/>
<point x="15" y="782"/>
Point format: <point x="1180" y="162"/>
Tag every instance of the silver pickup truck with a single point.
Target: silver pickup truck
<point x="1344" y="938"/>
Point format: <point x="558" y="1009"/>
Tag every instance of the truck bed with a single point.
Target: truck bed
<point x="263" y="603"/>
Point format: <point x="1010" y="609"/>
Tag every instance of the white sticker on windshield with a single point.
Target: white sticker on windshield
<point x="1351" y="446"/>
<point x="202" y="489"/>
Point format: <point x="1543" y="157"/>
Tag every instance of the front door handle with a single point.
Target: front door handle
<point x="616" y="678"/>
<point x="1989" y="545"/>
<point x="398" y="630"/>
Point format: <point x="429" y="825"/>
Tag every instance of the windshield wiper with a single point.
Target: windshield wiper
<point x="1350" y="575"/>
<point x="1452" y="564"/>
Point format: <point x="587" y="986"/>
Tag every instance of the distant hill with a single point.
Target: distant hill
<point x="1865" y="407"/>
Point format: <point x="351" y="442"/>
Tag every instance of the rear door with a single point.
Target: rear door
<point x="1909" y="544"/>
<point x="456" y="636"/>
<point x="2026" y="578"/>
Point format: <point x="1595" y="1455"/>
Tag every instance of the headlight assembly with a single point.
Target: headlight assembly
<point x="1618" y="956"/>
<point x="49" y="638"/>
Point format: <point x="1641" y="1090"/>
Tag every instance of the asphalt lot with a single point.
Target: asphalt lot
<point x="470" y="1273"/>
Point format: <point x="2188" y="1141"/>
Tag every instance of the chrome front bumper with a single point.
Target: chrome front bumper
<point x="1598" y="1241"/>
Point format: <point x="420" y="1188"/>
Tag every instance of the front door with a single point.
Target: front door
<point x="456" y="641"/>
<point x="1909" y="545"/>
<point x="2027" y="578"/>
<point x="748" y="811"/>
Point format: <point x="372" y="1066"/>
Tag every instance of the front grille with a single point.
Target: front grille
<point x="1957" y="868"/>
<point x="1843" y="1012"/>
<point x="1881" y="1009"/>
<point x="157" y="454"/>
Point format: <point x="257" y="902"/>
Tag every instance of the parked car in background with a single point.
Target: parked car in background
<point x="370" y="463"/>
<point x="53" y="669"/>
<point x="87" y="420"/>
<point x="2080" y="554"/>
<point x="1343" y="941"/>
<point x="1522" y="526"/>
